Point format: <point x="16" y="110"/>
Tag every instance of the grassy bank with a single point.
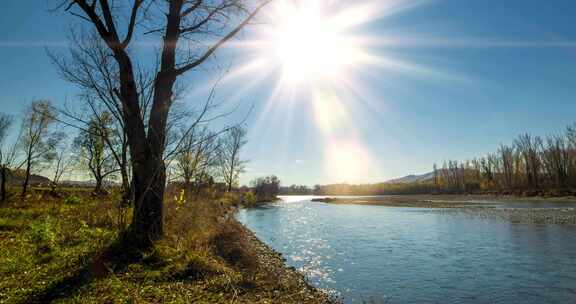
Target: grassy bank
<point x="69" y="250"/>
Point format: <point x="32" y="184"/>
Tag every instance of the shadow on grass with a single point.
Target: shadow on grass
<point x="115" y="257"/>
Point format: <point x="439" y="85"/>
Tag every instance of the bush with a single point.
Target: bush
<point x="230" y="198"/>
<point x="43" y="235"/>
<point x="72" y="200"/>
<point x="249" y="199"/>
<point x="230" y="243"/>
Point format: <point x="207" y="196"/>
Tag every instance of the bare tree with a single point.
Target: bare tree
<point x="266" y="188"/>
<point x="571" y="142"/>
<point x="90" y="65"/>
<point x="36" y="142"/>
<point x="507" y="161"/>
<point x="62" y="162"/>
<point x="556" y="160"/>
<point x="189" y="29"/>
<point x="197" y="153"/>
<point x="436" y="177"/>
<point x="93" y="152"/>
<point x="230" y="163"/>
<point x="530" y="164"/>
<point x="529" y="148"/>
<point x="7" y="154"/>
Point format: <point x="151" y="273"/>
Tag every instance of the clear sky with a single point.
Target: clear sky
<point x="451" y="80"/>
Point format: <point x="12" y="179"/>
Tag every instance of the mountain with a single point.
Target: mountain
<point x="413" y="178"/>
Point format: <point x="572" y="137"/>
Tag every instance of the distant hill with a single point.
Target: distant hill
<point x="16" y="178"/>
<point x="413" y="178"/>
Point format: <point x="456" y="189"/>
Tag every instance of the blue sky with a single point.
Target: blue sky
<point x="497" y="69"/>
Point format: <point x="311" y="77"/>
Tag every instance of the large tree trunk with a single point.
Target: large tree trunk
<point x="146" y="151"/>
<point x="148" y="175"/>
<point x="149" y="186"/>
<point x="98" y="188"/>
<point x="4" y="176"/>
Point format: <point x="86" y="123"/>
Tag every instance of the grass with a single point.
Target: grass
<point x="73" y="252"/>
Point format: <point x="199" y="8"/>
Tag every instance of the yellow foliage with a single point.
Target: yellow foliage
<point x="180" y="197"/>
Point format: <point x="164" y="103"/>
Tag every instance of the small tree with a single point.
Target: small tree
<point x="230" y="163"/>
<point x="266" y="188"/>
<point x="62" y="160"/>
<point x="198" y="152"/>
<point x="93" y="153"/>
<point x="36" y="142"/>
<point x="91" y="67"/>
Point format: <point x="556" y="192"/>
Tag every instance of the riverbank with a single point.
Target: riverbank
<point x="298" y="290"/>
<point x="525" y="210"/>
<point x="438" y="200"/>
<point x="70" y="251"/>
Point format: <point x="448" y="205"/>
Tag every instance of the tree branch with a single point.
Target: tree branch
<point x="132" y="23"/>
<point x="214" y="47"/>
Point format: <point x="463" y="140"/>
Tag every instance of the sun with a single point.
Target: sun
<point x="321" y="57"/>
<point x="310" y="46"/>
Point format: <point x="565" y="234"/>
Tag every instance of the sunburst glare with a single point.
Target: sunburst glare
<point x="310" y="46"/>
<point x="317" y="51"/>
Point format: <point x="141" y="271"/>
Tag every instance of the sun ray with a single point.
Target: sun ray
<point x="318" y="54"/>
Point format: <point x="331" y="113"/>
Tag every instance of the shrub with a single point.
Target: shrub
<point x="72" y="200"/>
<point x="230" y="242"/>
<point x="230" y="198"/>
<point x="250" y="199"/>
<point x="180" y="197"/>
<point x="43" y="235"/>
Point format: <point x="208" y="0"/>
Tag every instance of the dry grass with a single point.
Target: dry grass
<point x="72" y="253"/>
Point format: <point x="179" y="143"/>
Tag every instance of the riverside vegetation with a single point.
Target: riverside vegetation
<point x="531" y="166"/>
<point x="69" y="248"/>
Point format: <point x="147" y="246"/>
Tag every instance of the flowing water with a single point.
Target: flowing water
<point x="377" y="254"/>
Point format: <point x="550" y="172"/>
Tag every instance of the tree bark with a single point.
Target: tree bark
<point x="149" y="186"/>
<point x="150" y="172"/>
<point x="4" y="176"/>
<point x="126" y="191"/>
<point x="26" y="178"/>
<point x="98" y="187"/>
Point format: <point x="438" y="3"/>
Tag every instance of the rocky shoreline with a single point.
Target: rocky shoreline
<point x="294" y="284"/>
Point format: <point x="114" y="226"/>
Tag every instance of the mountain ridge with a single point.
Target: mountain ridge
<point x="412" y="178"/>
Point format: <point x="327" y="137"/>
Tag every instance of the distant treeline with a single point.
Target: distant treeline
<point x="361" y="189"/>
<point x="531" y="165"/>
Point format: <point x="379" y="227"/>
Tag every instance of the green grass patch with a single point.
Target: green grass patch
<point x="54" y="250"/>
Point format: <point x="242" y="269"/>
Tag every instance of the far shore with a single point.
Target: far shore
<point x="438" y="200"/>
<point x="477" y="206"/>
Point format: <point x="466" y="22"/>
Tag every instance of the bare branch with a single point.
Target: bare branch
<point x="132" y="23"/>
<point x="214" y="47"/>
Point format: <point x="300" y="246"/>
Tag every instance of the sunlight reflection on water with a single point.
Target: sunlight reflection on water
<point x="405" y="256"/>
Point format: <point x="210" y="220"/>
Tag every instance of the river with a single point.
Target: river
<point x="377" y="254"/>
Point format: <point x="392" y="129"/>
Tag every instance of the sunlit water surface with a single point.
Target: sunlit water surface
<point x="378" y="254"/>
